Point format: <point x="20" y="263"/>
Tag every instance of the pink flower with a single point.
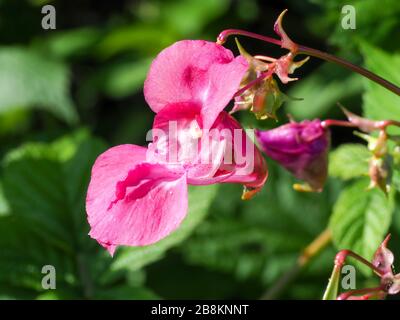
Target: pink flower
<point x="137" y="196"/>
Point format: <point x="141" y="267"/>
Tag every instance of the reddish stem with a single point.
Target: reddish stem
<point x="332" y="122"/>
<point x="368" y="292"/>
<point x="344" y="63"/>
<point x="343" y="254"/>
<point x="378" y="125"/>
<point x="386" y="123"/>
<point x="223" y="36"/>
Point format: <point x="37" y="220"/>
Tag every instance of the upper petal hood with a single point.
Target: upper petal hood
<point x="197" y="71"/>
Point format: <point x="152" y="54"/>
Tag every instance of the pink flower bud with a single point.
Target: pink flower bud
<point x="302" y="148"/>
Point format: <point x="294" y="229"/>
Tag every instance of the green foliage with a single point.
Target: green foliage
<point x="361" y="219"/>
<point x="45" y="185"/>
<point x="120" y="79"/>
<point x="376" y="22"/>
<point x="321" y="90"/>
<point x="69" y="44"/>
<point x="380" y="103"/>
<point x="260" y="239"/>
<point x="349" y="161"/>
<point x="29" y="80"/>
<point x="160" y="23"/>
<point x="4" y="207"/>
<point x="331" y="291"/>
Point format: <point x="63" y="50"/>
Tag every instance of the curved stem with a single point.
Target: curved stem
<point x="339" y="123"/>
<point x="343" y="254"/>
<point x="344" y="63"/>
<point x="223" y="36"/>
<point x="367" y="291"/>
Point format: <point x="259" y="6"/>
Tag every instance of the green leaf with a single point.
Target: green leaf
<point x="361" y="219"/>
<point x="45" y="188"/>
<point x="378" y="102"/>
<point x="30" y="80"/>
<point x="349" y="161"/>
<point x="38" y="185"/>
<point x="200" y="199"/>
<point x="331" y="291"/>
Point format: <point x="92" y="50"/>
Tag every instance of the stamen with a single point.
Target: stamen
<point x="265" y="58"/>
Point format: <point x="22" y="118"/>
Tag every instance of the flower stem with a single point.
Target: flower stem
<point x="332" y="122"/>
<point x="346" y="64"/>
<point x="307" y="254"/>
<point x="315" y="247"/>
<point x="342" y="255"/>
<point x="366" y="291"/>
<point x="223" y="36"/>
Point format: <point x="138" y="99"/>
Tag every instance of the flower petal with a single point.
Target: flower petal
<point x="133" y="202"/>
<point x="194" y="70"/>
<point x="179" y="138"/>
<point x="248" y="166"/>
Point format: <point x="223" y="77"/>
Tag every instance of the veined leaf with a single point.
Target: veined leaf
<point x="361" y="219"/>
<point x="45" y="188"/>
<point x="380" y="103"/>
<point x="349" y="161"/>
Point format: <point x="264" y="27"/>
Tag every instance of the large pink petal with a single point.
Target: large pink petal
<point x="133" y="202"/>
<point x="194" y="70"/>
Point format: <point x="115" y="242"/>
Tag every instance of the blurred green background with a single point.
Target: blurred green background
<point x="68" y="94"/>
